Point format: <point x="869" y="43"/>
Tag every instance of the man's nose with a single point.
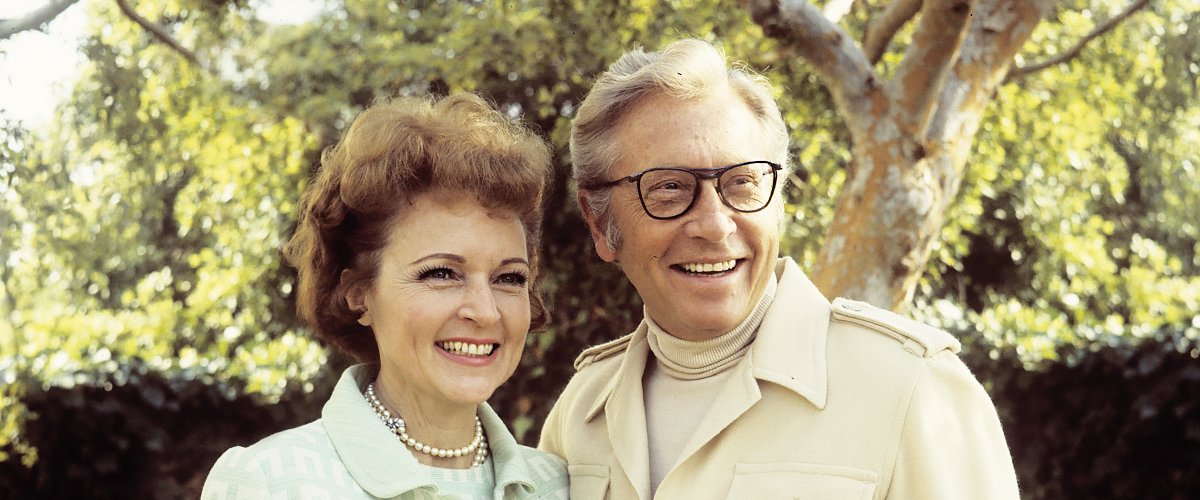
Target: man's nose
<point x="709" y="218"/>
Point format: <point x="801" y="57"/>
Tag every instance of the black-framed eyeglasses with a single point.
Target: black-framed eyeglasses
<point x="669" y="192"/>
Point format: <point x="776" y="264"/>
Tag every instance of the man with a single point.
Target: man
<point x="742" y="381"/>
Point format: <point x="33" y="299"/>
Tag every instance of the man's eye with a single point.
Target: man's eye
<point x="667" y="186"/>
<point x="742" y="180"/>
<point x="437" y="273"/>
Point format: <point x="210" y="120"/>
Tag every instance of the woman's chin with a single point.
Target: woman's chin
<point x="469" y="392"/>
<point x="474" y="385"/>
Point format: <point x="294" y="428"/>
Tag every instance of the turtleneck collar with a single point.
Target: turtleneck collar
<point x="688" y="360"/>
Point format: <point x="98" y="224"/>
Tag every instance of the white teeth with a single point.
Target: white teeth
<point x="467" y="348"/>
<point x="709" y="268"/>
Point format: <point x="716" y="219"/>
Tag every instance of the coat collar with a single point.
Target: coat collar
<point x="633" y="366"/>
<point x="788" y="350"/>
<point x="621" y="400"/>
<point x="383" y="466"/>
<point x="513" y="476"/>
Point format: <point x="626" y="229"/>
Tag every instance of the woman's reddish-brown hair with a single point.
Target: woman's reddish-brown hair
<point x="393" y="152"/>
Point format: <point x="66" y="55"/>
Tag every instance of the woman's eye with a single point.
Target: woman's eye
<point x="437" y="273"/>
<point x="517" y="279"/>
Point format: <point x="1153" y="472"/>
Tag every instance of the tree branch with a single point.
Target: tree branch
<point x="998" y="31"/>
<point x="834" y="56"/>
<point x="158" y="32"/>
<point x="835" y="10"/>
<point x="918" y="83"/>
<point x="35" y="19"/>
<point x="884" y="26"/>
<point x="1073" y="52"/>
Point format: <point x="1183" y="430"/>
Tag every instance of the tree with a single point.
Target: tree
<point x="911" y="133"/>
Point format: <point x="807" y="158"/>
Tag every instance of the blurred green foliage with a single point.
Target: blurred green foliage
<point x="147" y="311"/>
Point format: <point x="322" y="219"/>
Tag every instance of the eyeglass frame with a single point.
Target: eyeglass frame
<point x="700" y="174"/>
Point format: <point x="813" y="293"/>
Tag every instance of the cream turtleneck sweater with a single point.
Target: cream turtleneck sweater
<point x="683" y="377"/>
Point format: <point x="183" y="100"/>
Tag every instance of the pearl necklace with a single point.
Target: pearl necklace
<point x="396" y="424"/>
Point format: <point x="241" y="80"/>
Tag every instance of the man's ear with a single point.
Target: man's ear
<point x="356" y="300"/>
<point x="598" y="239"/>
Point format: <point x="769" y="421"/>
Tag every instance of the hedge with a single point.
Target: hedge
<point x="1118" y="422"/>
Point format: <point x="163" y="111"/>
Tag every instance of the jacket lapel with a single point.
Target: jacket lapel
<point x="373" y="456"/>
<point x="513" y="477"/>
<point x="790" y="347"/>
<point x="788" y="350"/>
<point x="738" y="394"/>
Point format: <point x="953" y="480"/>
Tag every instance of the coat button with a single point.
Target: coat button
<point x="851" y="307"/>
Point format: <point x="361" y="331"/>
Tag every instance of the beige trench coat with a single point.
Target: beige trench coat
<point x="841" y="401"/>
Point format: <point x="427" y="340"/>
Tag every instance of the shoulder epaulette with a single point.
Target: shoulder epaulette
<point x="598" y="352"/>
<point x="918" y="338"/>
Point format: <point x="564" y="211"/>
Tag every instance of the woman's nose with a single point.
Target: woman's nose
<point x="479" y="305"/>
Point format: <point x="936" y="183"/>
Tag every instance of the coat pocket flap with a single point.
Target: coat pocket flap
<point x="802" y="481"/>
<point x="588" y="482"/>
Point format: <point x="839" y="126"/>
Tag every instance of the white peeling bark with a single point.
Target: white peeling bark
<point x="911" y="135"/>
<point x="835" y="10"/>
<point x="833" y="55"/>
<point x="933" y="51"/>
<point x="35" y="18"/>
<point x="884" y="26"/>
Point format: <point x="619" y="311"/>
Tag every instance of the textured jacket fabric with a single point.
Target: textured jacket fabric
<point x="349" y="454"/>
<point x="832" y="401"/>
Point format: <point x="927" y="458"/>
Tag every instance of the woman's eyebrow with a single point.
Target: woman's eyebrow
<point x="447" y="256"/>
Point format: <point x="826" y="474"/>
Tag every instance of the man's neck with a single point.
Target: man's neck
<point x="690" y="360"/>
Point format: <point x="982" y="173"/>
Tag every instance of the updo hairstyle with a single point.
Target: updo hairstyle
<point x="393" y="152"/>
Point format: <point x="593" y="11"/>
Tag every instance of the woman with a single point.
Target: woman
<point x="417" y="255"/>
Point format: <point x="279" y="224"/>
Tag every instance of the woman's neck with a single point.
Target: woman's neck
<point x="430" y="420"/>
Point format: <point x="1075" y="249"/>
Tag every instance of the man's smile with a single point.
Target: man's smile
<point x="707" y="267"/>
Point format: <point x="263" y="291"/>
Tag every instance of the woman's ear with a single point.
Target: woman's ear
<point x="356" y="299"/>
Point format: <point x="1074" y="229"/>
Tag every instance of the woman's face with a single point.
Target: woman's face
<point x="450" y="305"/>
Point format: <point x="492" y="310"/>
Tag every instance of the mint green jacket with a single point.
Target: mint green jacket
<point x="349" y="454"/>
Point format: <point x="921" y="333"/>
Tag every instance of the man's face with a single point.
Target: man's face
<point x="664" y="259"/>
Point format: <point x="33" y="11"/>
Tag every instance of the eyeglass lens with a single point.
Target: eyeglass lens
<point x="668" y="192"/>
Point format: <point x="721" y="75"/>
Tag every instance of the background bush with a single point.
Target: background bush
<point x="1118" y="421"/>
